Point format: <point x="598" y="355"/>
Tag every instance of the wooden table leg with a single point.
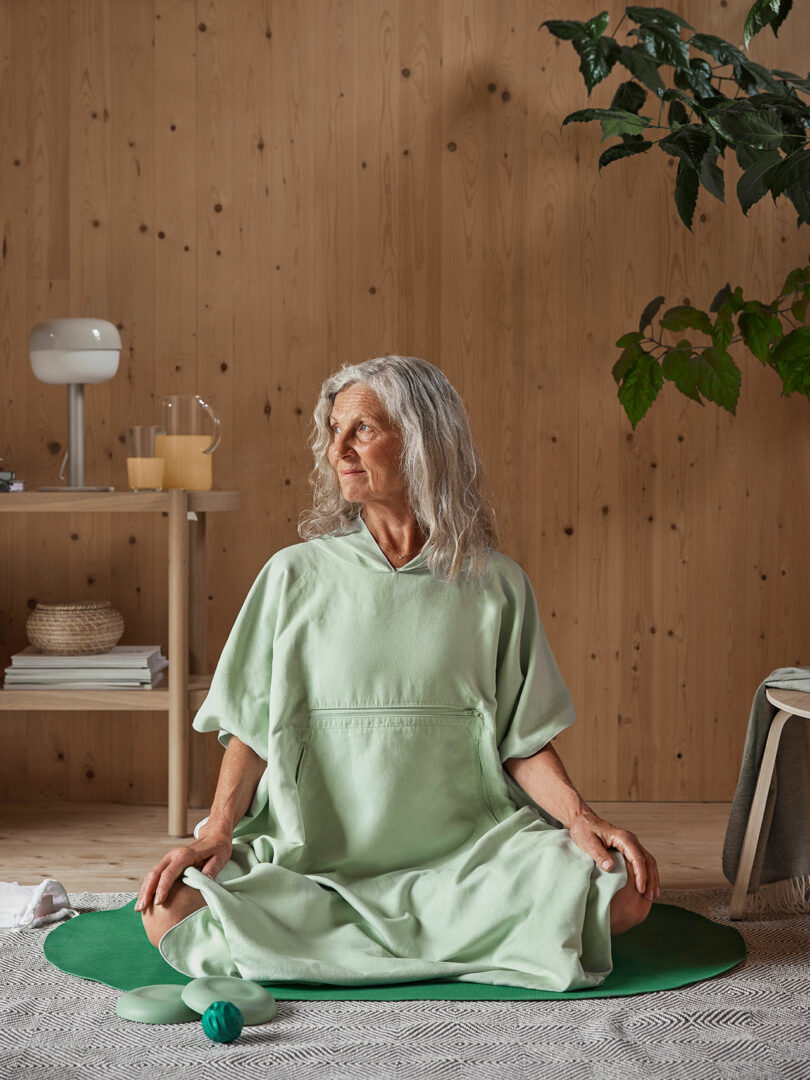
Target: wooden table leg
<point x="739" y="892"/>
<point x="178" y="662"/>
<point x="197" y="626"/>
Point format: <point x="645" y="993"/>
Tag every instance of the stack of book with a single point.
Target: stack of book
<point x="131" y="667"/>
<point x="7" y="481"/>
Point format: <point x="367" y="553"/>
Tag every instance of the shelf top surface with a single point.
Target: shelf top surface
<point x="113" y="501"/>
<point x="67" y="699"/>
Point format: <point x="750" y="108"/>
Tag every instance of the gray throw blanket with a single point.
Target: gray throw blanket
<point x="783" y="853"/>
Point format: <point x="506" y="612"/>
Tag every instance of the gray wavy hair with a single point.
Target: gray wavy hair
<point x="443" y="473"/>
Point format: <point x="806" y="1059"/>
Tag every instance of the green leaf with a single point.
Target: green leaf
<point x="722" y="51"/>
<point x="711" y="175"/>
<point x="597" y="54"/>
<point x="719" y="142"/>
<point x="799" y="195"/>
<point x="683" y="317"/>
<point x="795" y="135"/>
<point x="722" y="295"/>
<point x="643" y="66"/>
<point x="689" y="143"/>
<point x="632" y="352"/>
<point x="765" y="13"/>
<point x="598" y="24"/>
<point x="640" y="378"/>
<point x="723" y="330"/>
<point x="629" y="97"/>
<point x="799" y="307"/>
<point x="747" y="74"/>
<point x="760" y="328"/>
<point x="761" y="129"/>
<point x="567" y="29"/>
<point x="791" y="357"/>
<point x="581" y="116"/>
<point x="727" y="301"/>
<point x="697" y="78"/>
<point x="746" y="156"/>
<point x="758" y="75"/>
<point x="761" y="13"/>
<point x="718" y="378"/>
<point x="653" y="16"/>
<point x="796" y="280"/>
<point x="623" y="150"/>
<point x="678" y="115"/>
<point x="790" y="170"/>
<point x="787" y="104"/>
<point x="793" y="79"/>
<point x="754" y="182"/>
<point x="629" y="339"/>
<point x="621" y="122"/>
<point x="664" y="44"/>
<point x="680" y="365"/>
<point x="687" y="183"/>
<point x="784" y="11"/>
<point x="688" y="101"/>
<point x="649" y="312"/>
<point x="596" y="58"/>
<point x="613" y="121"/>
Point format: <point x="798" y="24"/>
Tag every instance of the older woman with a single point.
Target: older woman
<point x="390" y="807"/>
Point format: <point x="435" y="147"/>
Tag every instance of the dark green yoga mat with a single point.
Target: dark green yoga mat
<point x="672" y="947"/>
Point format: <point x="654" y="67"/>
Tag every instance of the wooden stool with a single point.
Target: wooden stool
<point x="789" y="703"/>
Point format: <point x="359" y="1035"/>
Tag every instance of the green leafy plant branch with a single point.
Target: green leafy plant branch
<point x="766" y="125"/>
<point x="772" y="332"/>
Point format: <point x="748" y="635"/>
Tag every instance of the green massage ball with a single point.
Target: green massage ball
<point x="222" y="1021"/>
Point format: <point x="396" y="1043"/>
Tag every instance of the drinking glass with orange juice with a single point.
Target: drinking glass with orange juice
<point x="190" y="434"/>
<point x="144" y="466"/>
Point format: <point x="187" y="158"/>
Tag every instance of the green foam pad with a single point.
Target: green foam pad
<point x="159" y="1004"/>
<point x="256" y="1004"/>
<point x="672" y="947"/>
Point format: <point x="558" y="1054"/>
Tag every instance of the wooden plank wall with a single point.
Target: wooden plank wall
<point x="257" y="191"/>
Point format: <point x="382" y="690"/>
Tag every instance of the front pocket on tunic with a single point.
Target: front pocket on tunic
<point x="388" y="788"/>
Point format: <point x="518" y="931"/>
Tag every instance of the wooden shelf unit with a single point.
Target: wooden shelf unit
<point x="183" y="687"/>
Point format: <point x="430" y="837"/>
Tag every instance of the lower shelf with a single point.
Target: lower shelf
<point x="156" y="700"/>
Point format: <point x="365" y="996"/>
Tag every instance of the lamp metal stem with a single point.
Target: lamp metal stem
<point x="75" y="435"/>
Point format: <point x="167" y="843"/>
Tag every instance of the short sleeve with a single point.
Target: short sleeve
<point x="238" y="700"/>
<point x="533" y="702"/>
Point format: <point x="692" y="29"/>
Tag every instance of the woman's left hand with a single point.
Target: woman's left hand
<point x="595" y="835"/>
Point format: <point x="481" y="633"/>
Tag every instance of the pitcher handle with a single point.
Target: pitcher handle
<point x="216" y="433"/>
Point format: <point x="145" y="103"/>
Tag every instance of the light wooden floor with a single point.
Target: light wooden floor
<point x="108" y="847"/>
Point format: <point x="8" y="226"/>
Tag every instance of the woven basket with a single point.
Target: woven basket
<point x="78" y="629"/>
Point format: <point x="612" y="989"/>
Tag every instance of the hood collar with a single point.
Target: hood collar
<point x="358" y="542"/>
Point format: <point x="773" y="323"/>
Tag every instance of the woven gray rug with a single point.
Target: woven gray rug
<point x="753" y="1022"/>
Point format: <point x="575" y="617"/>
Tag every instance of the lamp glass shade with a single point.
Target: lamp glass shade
<point x="74" y="350"/>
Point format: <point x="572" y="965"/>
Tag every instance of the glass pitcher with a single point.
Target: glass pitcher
<point x="192" y="434"/>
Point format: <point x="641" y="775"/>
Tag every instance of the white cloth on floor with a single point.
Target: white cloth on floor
<point x="23" y="906"/>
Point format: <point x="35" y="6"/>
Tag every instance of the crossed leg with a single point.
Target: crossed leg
<point x="181" y="901"/>
<point x="628" y="908"/>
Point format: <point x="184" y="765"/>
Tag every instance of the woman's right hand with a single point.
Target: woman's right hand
<point x="209" y="854"/>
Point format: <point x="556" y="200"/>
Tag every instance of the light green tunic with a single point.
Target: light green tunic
<point x="385" y="842"/>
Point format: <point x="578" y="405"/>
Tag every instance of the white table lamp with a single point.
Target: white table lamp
<point x="75" y="352"/>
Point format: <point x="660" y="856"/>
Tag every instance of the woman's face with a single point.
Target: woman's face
<point x="366" y="447"/>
